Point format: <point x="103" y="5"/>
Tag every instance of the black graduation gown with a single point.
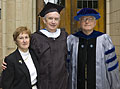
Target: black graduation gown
<point x="51" y="55"/>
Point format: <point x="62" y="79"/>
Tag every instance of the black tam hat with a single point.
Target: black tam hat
<point x="50" y="7"/>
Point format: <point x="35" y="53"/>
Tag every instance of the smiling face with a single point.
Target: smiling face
<point x="87" y="23"/>
<point x="51" y="21"/>
<point x="23" y="41"/>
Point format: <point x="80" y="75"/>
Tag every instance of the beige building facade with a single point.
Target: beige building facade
<point x="15" y="13"/>
<point x="113" y="23"/>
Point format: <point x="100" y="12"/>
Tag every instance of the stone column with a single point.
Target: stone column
<point x="15" y="13"/>
<point x="3" y="30"/>
<point x="3" y="25"/>
<point x="34" y="16"/>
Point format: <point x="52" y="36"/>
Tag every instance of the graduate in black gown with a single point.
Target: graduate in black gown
<point x="50" y="46"/>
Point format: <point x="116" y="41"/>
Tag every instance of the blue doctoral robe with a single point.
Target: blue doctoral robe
<point x="98" y="53"/>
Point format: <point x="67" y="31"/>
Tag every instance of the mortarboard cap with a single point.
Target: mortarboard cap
<point x="50" y="7"/>
<point x="87" y="12"/>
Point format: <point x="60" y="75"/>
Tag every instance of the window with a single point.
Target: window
<point x="60" y="2"/>
<point x="87" y="4"/>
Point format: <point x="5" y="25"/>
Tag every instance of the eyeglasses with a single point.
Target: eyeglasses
<point x="90" y="19"/>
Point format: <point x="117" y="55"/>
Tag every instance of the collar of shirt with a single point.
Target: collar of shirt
<point x="51" y="34"/>
<point x="24" y="54"/>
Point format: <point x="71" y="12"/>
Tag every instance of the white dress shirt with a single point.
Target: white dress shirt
<point x="31" y="67"/>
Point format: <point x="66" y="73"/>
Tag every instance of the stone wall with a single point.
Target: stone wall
<point x="15" y="13"/>
<point x="114" y="31"/>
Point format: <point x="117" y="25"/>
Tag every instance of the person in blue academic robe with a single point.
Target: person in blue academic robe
<point x="92" y="59"/>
